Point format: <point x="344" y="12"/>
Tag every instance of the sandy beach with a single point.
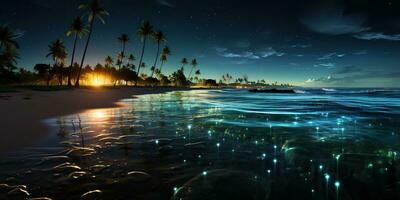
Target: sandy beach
<point x="22" y="112"/>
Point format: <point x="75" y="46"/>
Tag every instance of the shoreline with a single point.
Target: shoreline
<point x="23" y="112"/>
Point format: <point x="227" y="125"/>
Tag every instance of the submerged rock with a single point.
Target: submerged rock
<point x="138" y="176"/>
<point x="223" y="184"/>
<point x="65" y="167"/>
<point x="98" y="168"/>
<point x="92" y="195"/>
<point x="54" y="160"/>
<point x="81" y="152"/>
<point x="18" y="193"/>
<point x="4" y="187"/>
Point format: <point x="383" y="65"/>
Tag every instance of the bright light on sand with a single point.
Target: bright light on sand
<point x="97" y="79"/>
<point x="97" y="114"/>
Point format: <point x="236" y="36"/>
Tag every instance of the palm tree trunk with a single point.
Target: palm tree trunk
<point x="140" y="62"/>
<point x="190" y="74"/>
<point x="155" y="62"/>
<point x="162" y="63"/>
<point x="122" y="56"/>
<point x="72" y="61"/>
<point x="61" y="75"/>
<point x="84" y="53"/>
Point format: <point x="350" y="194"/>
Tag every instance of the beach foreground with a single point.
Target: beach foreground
<point x="23" y="111"/>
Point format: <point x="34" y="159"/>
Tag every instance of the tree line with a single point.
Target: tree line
<point x="118" y="70"/>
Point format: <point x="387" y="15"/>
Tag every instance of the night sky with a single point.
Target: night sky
<point x="303" y="42"/>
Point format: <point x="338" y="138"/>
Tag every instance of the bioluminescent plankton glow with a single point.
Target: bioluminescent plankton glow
<point x="200" y="99"/>
<point x="325" y="164"/>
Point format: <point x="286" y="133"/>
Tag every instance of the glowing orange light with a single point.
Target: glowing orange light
<point x="96" y="79"/>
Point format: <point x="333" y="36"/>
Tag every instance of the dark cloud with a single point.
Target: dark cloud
<point x="333" y="21"/>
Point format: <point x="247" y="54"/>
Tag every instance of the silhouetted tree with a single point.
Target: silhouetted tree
<point x="159" y="38"/>
<point x="144" y="31"/>
<point x="77" y="29"/>
<point x="184" y="62"/>
<point x="8" y="53"/>
<point x="164" y="56"/>
<point x="178" y="78"/>
<point x="123" y="39"/>
<point x="194" y="64"/>
<point x="43" y="71"/>
<point x="58" y="52"/>
<point x="95" y="11"/>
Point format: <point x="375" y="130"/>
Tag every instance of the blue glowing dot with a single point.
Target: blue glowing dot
<point x="175" y="189"/>
<point x="317" y="128"/>
<point x="218" y="144"/>
<point x="269" y="171"/>
<point x="204" y="173"/>
<point x="337" y="184"/>
<point x="199" y="156"/>
<point x="327" y="177"/>
<point x="275" y="146"/>
<point x="321" y="166"/>
<point x="156" y="141"/>
<point x="275" y="160"/>
<point x="189" y="126"/>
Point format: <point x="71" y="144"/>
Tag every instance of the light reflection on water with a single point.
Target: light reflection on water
<point x="314" y="145"/>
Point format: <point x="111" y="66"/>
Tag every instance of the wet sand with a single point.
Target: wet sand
<point x="22" y="112"/>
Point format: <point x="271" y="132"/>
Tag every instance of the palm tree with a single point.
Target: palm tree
<point x="197" y="73"/>
<point x="78" y="29"/>
<point x="94" y="10"/>
<point x="131" y="58"/>
<point x="108" y="61"/>
<point x="144" y="31"/>
<point x="8" y="37"/>
<point x="159" y="38"/>
<point x="8" y="46"/>
<point x="123" y="39"/>
<point x="58" y="52"/>
<point x="8" y="59"/>
<point x="184" y="62"/>
<point x="194" y="64"/>
<point x="164" y="56"/>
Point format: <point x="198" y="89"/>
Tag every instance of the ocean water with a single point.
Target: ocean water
<point x="220" y="144"/>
